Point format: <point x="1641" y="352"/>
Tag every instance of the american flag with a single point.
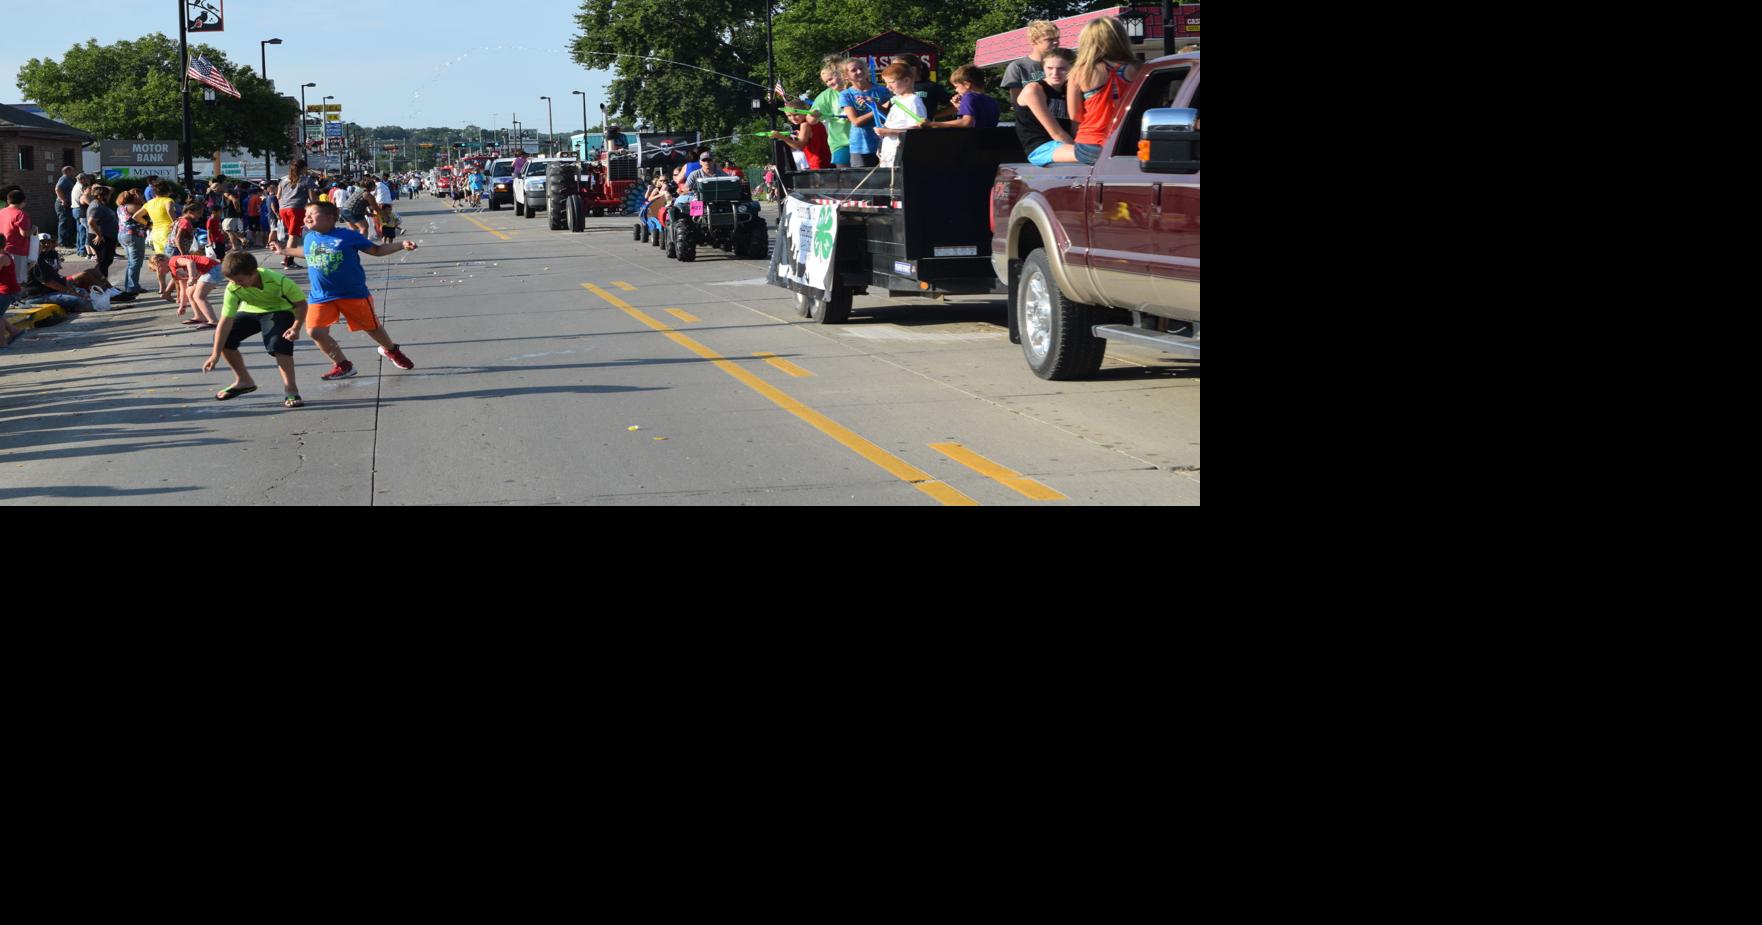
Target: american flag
<point x="206" y="73"/>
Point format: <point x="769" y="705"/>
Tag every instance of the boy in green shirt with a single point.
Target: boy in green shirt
<point x="258" y="302"/>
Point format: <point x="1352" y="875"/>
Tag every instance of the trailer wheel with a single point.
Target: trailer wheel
<point x="835" y="308"/>
<point x="640" y="232"/>
<point x="519" y="210"/>
<point x="804" y="305"/>
<point x="1056" y="332"/>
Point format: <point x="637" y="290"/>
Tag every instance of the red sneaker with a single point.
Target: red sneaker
<point x="397" y="357"/>
<point x="340" y="371"/>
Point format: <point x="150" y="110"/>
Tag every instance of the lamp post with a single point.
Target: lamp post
<point x="550" y="124"/>
<point x="324" y="126"/>
<point x="584" y="123"/>
<point x="263" y="51"/>
<point x="305" y="147"/>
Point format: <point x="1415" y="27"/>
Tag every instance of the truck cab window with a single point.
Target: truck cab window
<point x="1162" y="88"/>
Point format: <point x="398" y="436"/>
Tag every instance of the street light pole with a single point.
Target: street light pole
<point x="551" y="123"/>
<point x="305" y="145"/>
<point x="263" y="50"/>
<point x="324" y="126"/>
<point x="584" y="123"/>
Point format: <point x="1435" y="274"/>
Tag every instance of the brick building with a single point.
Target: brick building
<point x="33" y="150"/>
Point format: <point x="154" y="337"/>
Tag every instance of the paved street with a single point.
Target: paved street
<point x="558" y="368"/>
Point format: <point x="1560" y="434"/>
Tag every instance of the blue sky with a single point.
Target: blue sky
<point x="414" y="63"/>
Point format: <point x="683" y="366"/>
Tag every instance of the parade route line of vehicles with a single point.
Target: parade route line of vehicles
<point x="1086" y="254"/>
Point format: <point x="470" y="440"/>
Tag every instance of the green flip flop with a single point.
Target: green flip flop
<point x="232" y="392"/>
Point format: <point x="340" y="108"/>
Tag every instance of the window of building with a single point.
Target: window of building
<point x="27" y="157"/>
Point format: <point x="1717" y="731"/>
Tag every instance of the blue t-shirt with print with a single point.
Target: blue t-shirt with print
<point x="863" y="139"/>
<point x="334" y="267"/>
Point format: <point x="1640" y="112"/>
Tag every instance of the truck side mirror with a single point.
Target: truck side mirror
<point x="1169" y="141"/>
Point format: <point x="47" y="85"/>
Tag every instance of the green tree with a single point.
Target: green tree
<point x="678" y="67"/>
<point x="132" y="89"/>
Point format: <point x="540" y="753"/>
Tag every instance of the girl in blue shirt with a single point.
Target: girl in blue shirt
<point x="861" y="105"/>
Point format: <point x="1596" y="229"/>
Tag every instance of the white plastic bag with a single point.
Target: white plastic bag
<point x="100" y="297"/>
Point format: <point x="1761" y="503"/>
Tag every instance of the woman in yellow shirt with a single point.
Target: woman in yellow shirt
<point x="157" y="216"/>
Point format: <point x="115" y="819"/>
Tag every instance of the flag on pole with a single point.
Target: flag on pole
<point x="206" y="73"/>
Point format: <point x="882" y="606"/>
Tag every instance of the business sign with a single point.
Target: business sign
<point x="126" y="173"/>
<point x="333" y="163"/>
<point x="204" y="16"/>
<point x="325" y="107"/>
<point x="333" y="130"/>
<point x="139" y="153"/>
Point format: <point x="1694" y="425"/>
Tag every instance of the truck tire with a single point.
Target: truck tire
<point x="1056" y="335"/>
<point x="835" y="309"/>
<point x="519" y="210"/>
<point x="577" y="215"/>
<point x="758" y="241"/>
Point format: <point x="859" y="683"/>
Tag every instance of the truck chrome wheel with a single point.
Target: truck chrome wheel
<point x="1036" y="315"/>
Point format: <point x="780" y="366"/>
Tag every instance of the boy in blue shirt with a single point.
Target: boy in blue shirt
<point x="977" y="110"/>
<point x="339" y="287"/>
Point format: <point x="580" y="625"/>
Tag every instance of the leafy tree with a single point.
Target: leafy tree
<point x="132" y="89"/>
<point x="677" y="66"/>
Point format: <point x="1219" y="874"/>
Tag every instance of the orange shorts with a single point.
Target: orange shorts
<point x="359" y="313"/>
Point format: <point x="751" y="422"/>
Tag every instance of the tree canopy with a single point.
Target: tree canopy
<point x="132" y="89"/>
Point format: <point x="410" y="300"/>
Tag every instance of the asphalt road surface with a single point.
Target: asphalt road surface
<point x="558" y="368"/>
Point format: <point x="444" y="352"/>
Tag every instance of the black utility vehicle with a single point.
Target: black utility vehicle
<point x="723" y="216"/>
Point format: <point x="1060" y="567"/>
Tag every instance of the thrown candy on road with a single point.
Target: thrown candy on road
<point x="635" y="427"/>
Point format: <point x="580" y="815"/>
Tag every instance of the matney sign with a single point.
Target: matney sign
<point x="139" y="153"/>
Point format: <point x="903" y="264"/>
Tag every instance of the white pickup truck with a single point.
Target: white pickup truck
<point x="529" y="189"/>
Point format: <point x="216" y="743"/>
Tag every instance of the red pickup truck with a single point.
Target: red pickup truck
<point x="1110" y="251"/>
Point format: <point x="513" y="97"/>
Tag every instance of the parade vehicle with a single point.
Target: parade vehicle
<point x="723" y="216"/>
<point x="919" y="228"/>
<point x="443" y="179"/>
<point x="529" y="188"/>
<point x="1110" y="251"/>
<point x="624" y="174"/>
<point x="501" y="183"/>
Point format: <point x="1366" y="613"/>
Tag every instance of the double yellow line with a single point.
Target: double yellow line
<point x="849" y="439"/>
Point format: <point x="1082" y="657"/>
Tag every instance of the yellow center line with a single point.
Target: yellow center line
<point x="846" y="437"/>
<point x="686" y="317"/>
<point x="785" y="365"/>
<point x="623" y="285"/>
<point x="1010" y="478"/>
<point x="486" y="227"/>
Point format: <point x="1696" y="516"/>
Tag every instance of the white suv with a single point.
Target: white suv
<point x="529" y="190"/>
